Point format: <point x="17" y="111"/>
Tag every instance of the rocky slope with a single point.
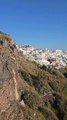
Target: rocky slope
<point x="27" y="90"/>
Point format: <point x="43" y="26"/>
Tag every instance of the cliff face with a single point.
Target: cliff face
<point x="9" y="81"/>
<point x="29" y="91"/>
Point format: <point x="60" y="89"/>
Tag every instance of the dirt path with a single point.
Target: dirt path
<point x="16" y="90"/>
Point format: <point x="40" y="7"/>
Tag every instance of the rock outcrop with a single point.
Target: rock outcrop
<point x="9" y="81"/>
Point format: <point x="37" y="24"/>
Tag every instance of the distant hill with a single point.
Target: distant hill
<point x="29" y="91"/>
<point x="44" y="56"/>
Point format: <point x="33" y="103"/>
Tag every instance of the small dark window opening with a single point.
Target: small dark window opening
<point x="1" y="42"/>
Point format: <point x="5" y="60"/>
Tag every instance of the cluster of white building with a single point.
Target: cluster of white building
<point x="44" y="56"/>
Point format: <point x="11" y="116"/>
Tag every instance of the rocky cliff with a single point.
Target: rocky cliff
<point x="29" y="91"/>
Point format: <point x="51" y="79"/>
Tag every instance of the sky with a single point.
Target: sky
<point x="40" y="23"/>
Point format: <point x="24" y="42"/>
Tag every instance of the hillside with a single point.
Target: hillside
<point x="45" y="56"/>
<point x="29" y="91"/>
